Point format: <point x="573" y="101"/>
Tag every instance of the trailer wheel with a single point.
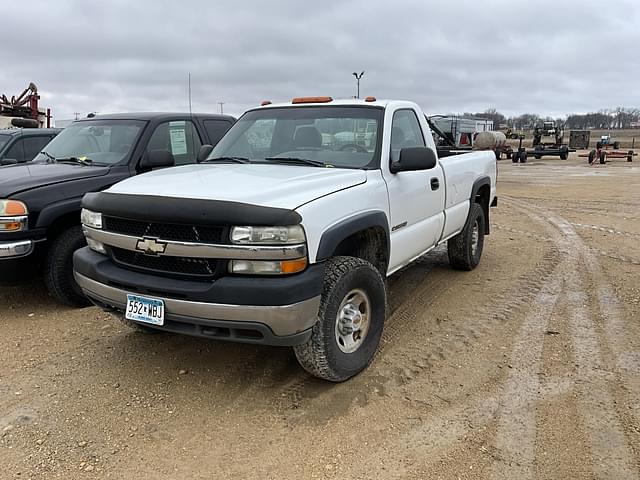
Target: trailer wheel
<point x="564" y="153"/>
<point x="509" y="154"/>
<point x="616" y="145"/>
<point x="537" y="155"/>
<point x="515" y="158"/>
<point x="592" y="156"/>
<point x="630" y="156"/>
<point x="603" y="157"/>
<point x="523" y="157"/>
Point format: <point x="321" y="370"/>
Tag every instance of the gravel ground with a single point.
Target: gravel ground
<point x="527" y="367"/>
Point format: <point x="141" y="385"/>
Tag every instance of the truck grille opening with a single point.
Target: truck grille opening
<point x="166" y="231"/>
<point x="178" y="267"/>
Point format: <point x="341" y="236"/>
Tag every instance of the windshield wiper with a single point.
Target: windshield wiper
<point x="298" y="161"/>
<point x="228" y="160"/>
<point x="80" y="161"/>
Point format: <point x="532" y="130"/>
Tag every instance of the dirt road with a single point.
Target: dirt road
<point x="527" y="367"/>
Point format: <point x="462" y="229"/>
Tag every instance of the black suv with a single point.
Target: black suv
<point x="40" y="200"/>
<point x="21" y="145"/>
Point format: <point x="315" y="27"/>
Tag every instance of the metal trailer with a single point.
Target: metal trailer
<point x="522" y="154"/>
<point x="602" y="154"/>
<point x="460" y="131"/>
<point x="579" y="139"/>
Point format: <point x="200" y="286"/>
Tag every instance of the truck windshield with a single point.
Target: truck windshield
<point x="344" y="137"/>
<point x="102" y="142"/>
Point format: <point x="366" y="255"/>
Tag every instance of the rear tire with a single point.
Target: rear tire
<point x="465" y="249"/>
<point x="58" y="269"/>
<point x="353" y="301"/>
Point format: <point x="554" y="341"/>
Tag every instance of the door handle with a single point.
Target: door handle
<point x="435" y="184"/>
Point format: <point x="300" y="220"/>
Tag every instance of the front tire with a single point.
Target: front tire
<point x="465" y="249"/>
<point x="58" y="269"/>
<point x="352" y="312"/>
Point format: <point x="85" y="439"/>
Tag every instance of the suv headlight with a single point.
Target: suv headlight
<point x="268" y="235"/>
<point x="90" y="218"/>
<point x="13" y="216"/>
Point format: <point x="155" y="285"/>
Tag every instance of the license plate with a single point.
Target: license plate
<point x="146" y="310"/>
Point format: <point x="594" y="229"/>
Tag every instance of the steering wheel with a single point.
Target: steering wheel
<point x="354" y="147"/>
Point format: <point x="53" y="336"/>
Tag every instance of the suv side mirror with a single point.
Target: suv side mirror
<point x="8" y="161"/>
<point x="157" y="159"/>
<point x="414" y="158"/>
<point x="204" y="152"/>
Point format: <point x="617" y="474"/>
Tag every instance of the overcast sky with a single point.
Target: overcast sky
<point x="549" y="57"/>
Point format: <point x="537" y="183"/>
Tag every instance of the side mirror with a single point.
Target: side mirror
<point x="157" y="159"/>
<point x="414" y="158"/>
<point x="8" y="161"/>
<point x="204" y="152"/>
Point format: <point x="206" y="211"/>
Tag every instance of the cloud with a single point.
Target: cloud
<point x="546" y="56"/>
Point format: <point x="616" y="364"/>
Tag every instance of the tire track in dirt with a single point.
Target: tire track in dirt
<point x="603" y="228"/>
<point x="516" y="415"/>
<point x="609" y="444"/>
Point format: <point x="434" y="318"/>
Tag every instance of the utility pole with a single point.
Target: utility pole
<point x="221" y="104"/>
<point x="358" y="77"/>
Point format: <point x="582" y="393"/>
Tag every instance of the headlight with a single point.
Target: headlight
<point x="267" y="267"/>
<point x="13" y="216"/>
<point x="268" y="235"/>
<point x="91" y="219"/>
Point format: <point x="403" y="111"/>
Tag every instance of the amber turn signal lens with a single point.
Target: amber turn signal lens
<point x="293" y="266"/>
<point x="10" y="227"/>
<point x="13" y="207"/>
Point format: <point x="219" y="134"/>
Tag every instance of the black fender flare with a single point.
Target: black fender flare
<point x="479" y="183"/>
<point x="335" y="234"/>
<point x="49" y="214"/>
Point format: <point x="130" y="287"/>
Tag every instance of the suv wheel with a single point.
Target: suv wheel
<point x="350" y="321"/>
<point x="58" y="269"/>
<point x="465" y="249"/>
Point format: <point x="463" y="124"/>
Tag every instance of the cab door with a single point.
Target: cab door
<point x="416" y="198"/>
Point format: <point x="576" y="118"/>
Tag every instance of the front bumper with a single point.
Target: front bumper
<point x="20" y="248"/>
<point x="270" y="311"/>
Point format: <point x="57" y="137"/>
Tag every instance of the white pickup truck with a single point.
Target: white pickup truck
<point x="286" y="233"/>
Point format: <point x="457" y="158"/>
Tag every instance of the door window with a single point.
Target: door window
<point x="216" y="129"/>
<point x="33" y="145"/>
<point x="16" y="151"/>
<point x="178" y="137"/>
<point x="405" y="132"/>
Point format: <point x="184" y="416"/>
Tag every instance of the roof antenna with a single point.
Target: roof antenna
<point x="189" y="94"/>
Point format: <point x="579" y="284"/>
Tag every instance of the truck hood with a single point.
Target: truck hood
<point x="280" y="186"/>
<point x="18" y="178"/>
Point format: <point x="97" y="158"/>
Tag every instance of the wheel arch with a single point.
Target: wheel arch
<point x="481" y="194"/>
<point x="365" y="236"/>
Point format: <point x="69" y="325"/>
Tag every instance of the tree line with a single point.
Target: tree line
<point x="604" y="119"/>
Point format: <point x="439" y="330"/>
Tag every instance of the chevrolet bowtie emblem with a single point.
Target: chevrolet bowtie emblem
<point x="151" y="246"/>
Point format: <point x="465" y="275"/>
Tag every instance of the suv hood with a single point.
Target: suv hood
<point x="18" y="178"/>
<point x="280" y="186"/>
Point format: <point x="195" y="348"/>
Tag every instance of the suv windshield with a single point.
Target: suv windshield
<point x="102" y="142"/>
<point x="345" y="137"/>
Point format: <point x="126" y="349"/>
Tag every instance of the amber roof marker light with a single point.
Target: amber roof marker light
<point x="312" y="100"/>
<point x="264" y="103"/>
<point x="370" y="99"/>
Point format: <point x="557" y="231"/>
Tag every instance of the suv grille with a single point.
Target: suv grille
<point x="181" y="267"/>
<point x="166" y="231"/>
